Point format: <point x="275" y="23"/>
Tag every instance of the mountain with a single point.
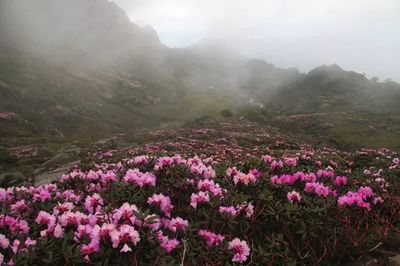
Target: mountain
<point x="83" y="62"/>
<point x="81" y="69"/>
<point x="94" y="33"/>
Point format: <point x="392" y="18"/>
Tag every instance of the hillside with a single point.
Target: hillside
<point x="88" y="71"/>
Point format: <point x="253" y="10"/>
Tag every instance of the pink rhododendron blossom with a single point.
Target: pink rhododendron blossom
<point x="242" y="178"/>
<point x="178" y="224"/>
<point x="341" y="181"/>
<point x="143" y="159"/>
<point x="230" y="211"/>
<point x="60" y="208"/>
<point x="4" y="241"/>
<point x="325" y="173"/>
<point x="19" y="207"/>
<point x="139" y="178"/>
<point x="167" y="244"/>
<point x="276" y="164"/>
<point x="164" y="202"/>
<point x="211" y="238"/>
<point x="198" y="198"/>
<point x="293" y="196"/>
<point x="357" y="198"/>
<point x="48" y="220"/>
<point x="93" y="203"/>
<point x="125" y="214"/>
<point x="290" y="161"/>
<point x="125" y="235"/>
<point x="318" y="188"/>
<point x="241" y="249"/>
<point x="267" y="158"/>
<point x="211" y="186"/>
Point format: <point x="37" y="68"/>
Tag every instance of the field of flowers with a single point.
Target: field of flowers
<point x="269" y="206"/>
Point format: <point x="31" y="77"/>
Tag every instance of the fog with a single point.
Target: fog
<point x="361" y="35"/>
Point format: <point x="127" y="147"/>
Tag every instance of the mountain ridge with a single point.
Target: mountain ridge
<point x="107" y="74"/>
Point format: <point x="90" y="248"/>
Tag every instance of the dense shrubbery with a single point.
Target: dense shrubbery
<point x="292" y="209"/>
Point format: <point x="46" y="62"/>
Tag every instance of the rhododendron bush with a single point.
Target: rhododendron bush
<point x="280" y="209"/>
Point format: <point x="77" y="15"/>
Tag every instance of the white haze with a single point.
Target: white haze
<point x="360" y="35"/>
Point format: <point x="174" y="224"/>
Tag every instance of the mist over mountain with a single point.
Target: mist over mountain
<point x="83" y="62"/>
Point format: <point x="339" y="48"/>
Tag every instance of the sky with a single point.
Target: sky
<point x="359" y="35"/>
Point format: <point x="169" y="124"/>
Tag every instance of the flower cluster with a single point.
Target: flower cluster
<point x="174" y="207"/>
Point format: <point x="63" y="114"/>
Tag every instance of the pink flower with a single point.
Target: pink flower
<point x="93" y="203"/>
<point x="108" y="177"/>
<point x="58" y="231"/>
<point x="231" y="171"/>
<point x="4" y="242"/>
<point x="200" y="197"/>
<point x="167" y="244"/>
<point x="241" y="249"/>
<point x="178" y="224"/>
<point x="267" y="158"/>
<point x="162" y="162"/>
<point x="125" y="235"/>
<point x="249" y="209"/>
<point x="125" y="214"/>
<point x="202" y="170"/>
<point x="211" y="186"/>
<point x="318" y="188"/>
<point x="276" y="164"/>
<point x="244" y="178"/>
<point x="139" y="178"/>
<point x="106" y="229"/>
<point x="231" y="211"/>
<point x="47" y="219"/>
<point x="19" y="207"/>
<point x="291" y="161"/>
<point x="358" y="198"/>
<point x="163" y="201"/>
<point x="293" y="196"/>
<point x="144" y="159"/>
<point x="325" y="173"/>
<point x="60" y="208"/>
<point x="211" y="238"/>
<point x="341" y="180"/>
<point x="377" y="200"/>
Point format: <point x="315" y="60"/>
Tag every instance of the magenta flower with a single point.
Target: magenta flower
<point x="230" y="211"/>
<point x="341" y="181"/>
<point x="241" y="249"/>
<point x="94" y="203"/>
<point x="210" y="186"/>
<point x="290" y="161"/>
<point x="200" y="197"/>
<point x="4" y="241"/>
<point x="178" y="224"/>
<point x="211" y="238"/>
<point x="163" y="201"/>
<point x="47" y="219"/>
<point x="276" y="164"/>
<point x="267" y="158"/>
<point x="293" y="196"/>
<point x="139" y="178"/>
<point x="125" y="235"/>
<point x="125" y="214"/>
<point x="243" y="178"/>
<point x="167" y="244"/>
<point x="318" y="188"/>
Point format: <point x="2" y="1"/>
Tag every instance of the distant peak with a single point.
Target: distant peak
<point x="325" y="68"/>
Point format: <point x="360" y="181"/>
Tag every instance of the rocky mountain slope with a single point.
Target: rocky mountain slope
<point x="82" y="69"/>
